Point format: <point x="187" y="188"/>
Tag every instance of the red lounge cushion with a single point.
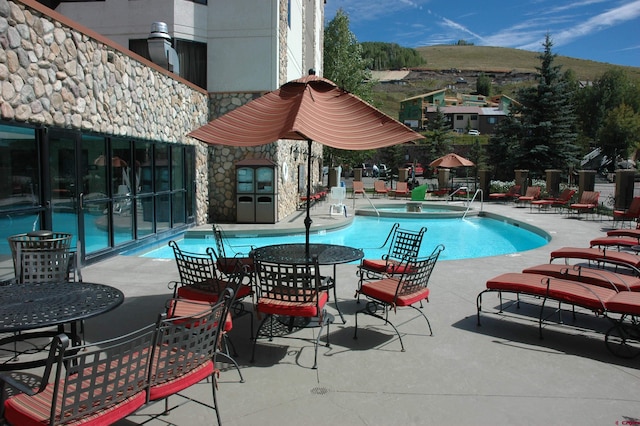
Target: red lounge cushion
<point x="583" y="206"/>
<point x="624" y="233"/>
<point x="170" y="385"/>
<point x="281" y="306"/>
<point x="599" y="277"/>
<point x="625" y="302"/>
<point x="614" y="241"/>
<point x="596" y="254"/>
<point x="519" y="283"/>
<point x="385" y="291"/>
<point x="34" y="410"/>
<point x="586" y="295"/>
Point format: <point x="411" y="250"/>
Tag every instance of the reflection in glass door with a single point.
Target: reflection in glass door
<point x="95" y="196"/>
<point x="64" y="191"/>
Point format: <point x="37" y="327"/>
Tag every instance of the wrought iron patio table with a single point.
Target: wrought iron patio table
<point x="26" y="308"/>
<point x="327" y="254"/>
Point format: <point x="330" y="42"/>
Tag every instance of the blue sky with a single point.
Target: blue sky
<point x="599" y="30"/>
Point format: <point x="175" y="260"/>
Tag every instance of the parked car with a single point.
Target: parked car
<point x="383" y="171"/>
<point x="419" y="169"/>
<point x="474" y="132"/>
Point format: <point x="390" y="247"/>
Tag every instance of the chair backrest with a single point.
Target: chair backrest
<point x="417" y="273"/>
<point x="293" y="283"/>
<point x="402" y="187"/>
<point x="405" y="243"/>
<point x="566" y="195"/>
<point x="184" y="344"/>
<point x="379" y="186"/>
<point x="589" y="197"/>
<point x="358" y="186"/>
<point x="196" y="269"/>
<point x="217" y="235"/>
<point x="533" y="191"/>
<point x="514" y="190"/>
<point x="40" y="259"/>
<point x="338" y="193"/>
<point x="92" y="378"/>
<point x="634" y="207"/>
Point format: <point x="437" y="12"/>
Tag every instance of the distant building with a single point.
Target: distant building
<point x="463" y="112"/>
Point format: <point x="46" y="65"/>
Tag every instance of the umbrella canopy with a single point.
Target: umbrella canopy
<point x="450" y="161"/>
<point x="312" y="109"/>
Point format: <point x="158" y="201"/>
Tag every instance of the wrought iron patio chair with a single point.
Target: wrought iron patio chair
<point x="391" y="293"/>
<point x="404" y="245"/>
<point x="286" y="292"/>
<point x="227" y="264"/>
<point x="99" y="383"/>
<point x="184" y="352"/>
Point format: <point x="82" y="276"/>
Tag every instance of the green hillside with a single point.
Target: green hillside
<point x="469" y="60"/>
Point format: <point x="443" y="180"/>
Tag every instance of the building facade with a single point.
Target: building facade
<point x="235" y="50"/>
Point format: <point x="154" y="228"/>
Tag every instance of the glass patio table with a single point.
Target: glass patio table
<point x="327" y="254"/>
<point x="27" y="308"/>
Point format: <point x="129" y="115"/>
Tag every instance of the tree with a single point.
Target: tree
<point x="548" y="139"/>
<point x="343" y="61"/>
<point x="483" y="85"/>
<point x="620" y="132"/>
<point x="438" y="135"/>
<point x="385" y="56"/>
<point x="503" y="146"/>
<point x="345" y="66"/>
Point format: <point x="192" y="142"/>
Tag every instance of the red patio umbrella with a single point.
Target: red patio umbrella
<point x="450" y="161"/>
<point x="313" y="109"/>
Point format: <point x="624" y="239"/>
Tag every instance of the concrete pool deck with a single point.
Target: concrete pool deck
<point x="499" y="373"/>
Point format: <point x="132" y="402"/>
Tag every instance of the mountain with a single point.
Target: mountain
<point x="457" y="68"/>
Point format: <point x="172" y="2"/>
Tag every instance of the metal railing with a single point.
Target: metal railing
<point x="472" y="199"/>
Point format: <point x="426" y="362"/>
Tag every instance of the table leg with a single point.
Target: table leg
<point x="335" y="296"/>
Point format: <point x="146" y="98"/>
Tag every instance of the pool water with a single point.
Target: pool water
<point x="463" y="238"/>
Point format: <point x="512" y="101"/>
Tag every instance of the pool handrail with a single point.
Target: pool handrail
<point x="473" y="198"/>
<point x="364" y="195"/>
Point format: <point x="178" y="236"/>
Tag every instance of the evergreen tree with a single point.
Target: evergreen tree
<point x="548" y="119"/>
<point x="439" y="135"/>
<point x="503" y="146"/>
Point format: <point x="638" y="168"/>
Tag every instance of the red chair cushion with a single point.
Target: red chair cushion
<point x="177" y="384"/>
<point x="291" y="308"/>
<point x="34" y="410"/>
<point x="385" y="291"/>
<point x="189" y="292"/>
<point x="599" y="277"/>
<point x="382" y="266"/>
<point x="228" y="265"/>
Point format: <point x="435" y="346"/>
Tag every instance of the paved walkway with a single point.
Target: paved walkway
<point x="499" y="373"/>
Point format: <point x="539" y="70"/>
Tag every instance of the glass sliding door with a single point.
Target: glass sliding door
<point x="122" y="190"/>
<point x="95" y="193"/>
<point x="63" y="197"/>
<point x="20" y="189"/>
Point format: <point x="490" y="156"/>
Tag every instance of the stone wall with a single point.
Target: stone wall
<point x="222" y="160"/>
<point x="54" y="74"/>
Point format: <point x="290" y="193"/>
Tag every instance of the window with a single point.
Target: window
<point x="191" y="54"/>
<point x="474" y="117"/>
<point x="492" y="120"/>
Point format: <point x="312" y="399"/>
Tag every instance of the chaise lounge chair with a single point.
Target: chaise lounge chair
<point x="533" y="193"/>
<point x="584" y="274"/>
<point x="563" y="200"/>
<point x="380" y="188"/>
<point x="621" y="339"/>
<point x="630" y="214"/>
<point x="358" y="188"/>
<point x="513" y="193"/>
<point x="588" y="202"/>
<point x="600" y="256"/>
<point x="402" y="189"/>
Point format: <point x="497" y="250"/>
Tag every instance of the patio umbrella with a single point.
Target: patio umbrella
<point x="451" y="161"/>
<point x="313" y="109"/>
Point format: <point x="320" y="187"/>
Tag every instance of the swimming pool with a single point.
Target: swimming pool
<point x="463" y="238"/>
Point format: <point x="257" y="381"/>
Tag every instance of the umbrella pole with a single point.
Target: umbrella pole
<point x="307" y="220"/>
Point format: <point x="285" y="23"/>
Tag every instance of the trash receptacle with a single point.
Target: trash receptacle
<point x="265" y="209"/>
<point x="246" y="209"/>
<point x="418" y="193"/>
